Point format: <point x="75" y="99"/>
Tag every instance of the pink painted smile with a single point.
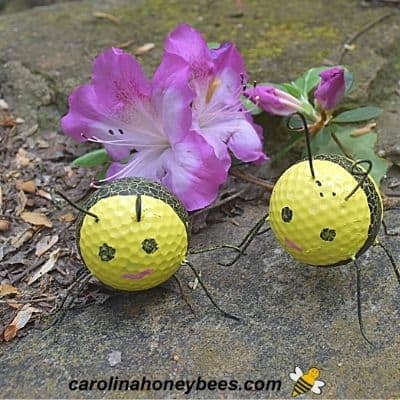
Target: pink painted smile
<point x="138" y="275"/>
<point x="292" y="245"/>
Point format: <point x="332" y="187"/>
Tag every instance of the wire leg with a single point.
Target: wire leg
<point x="58" y="315"/>
<point x="245" y="243"/>
<point x="263" y="231"/>
<point x="218" y="247"/>
<point x="255" y="228"/>
<point x="250" y="240"/>
<point x="360" y="321"/>
<point x="395" y="268"/>
<point x="226" y="314"/>
<point x="387" y="233"/>
<point x="183" y="294"/>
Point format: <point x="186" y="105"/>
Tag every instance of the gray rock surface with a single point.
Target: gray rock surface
<point x="291" y="314"/>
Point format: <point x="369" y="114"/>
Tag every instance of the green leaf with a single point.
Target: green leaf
<point x="92" y="159"/>
<point x="250" y="106"/>
<point x="320" y="142"/>
<point x="296" y="123"/>
<point x="102" y="173"/>
<point x="309" y="80"/>
<point x="292" y="89"/>
<point x="213" y="45"/>
<point x="358" y="114"/>
<point x="359" y="147"/>
<point x="349" y="80"/>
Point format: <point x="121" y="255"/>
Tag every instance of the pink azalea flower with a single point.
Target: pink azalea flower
<point x="217" y="80"/>
<point x="125" y="112"/>
<point x="274" y="101"/>
<point x="331" y="88"/>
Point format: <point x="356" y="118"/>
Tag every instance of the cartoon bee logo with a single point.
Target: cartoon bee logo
<point x="306" y="382"/>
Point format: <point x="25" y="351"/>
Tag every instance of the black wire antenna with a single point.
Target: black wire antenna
<point x="73" y="204"/>
<point x="364" y="174"/>
<point x="308" y="140"/>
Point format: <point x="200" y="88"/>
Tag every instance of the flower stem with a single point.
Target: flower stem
<point x="252" y="179"/>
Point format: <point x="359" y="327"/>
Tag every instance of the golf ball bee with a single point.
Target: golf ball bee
<point x="329" y="219"/>
<point x="137" y="236"/>
<point x="133" y="234"/>
<point x="306" y="382"/>
<point x="325" y="211"/>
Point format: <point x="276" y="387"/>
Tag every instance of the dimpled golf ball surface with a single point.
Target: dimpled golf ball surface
<point x="128" y="254"/>
<point x="311" y="218"/>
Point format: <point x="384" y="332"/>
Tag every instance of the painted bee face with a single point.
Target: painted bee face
<point x="129" y="252"/>
<point x="313" y="220"/>
<point x="137" y="241"/>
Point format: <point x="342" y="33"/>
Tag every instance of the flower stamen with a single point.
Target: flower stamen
<point x="124" y="142"/>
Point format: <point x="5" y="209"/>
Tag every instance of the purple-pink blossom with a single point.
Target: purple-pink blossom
<point x="148" y="122"/>
<point x="331" y="88"/>
<point x="217" y="78"/>
<point x="179" y="128"/>
<point x="273" y="100"/>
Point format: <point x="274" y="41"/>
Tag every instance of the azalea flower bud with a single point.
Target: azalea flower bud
<point x="331" y="88"/>
<point x="275" y="101"/>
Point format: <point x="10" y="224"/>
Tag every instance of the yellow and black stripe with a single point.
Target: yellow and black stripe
<point x="301" y="387"/>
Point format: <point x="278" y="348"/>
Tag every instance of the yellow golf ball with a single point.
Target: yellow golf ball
<point x="316" y="220"/>
<point x="139" y="238"/>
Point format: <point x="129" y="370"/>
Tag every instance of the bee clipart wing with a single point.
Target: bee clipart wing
<point x="316" y="388"/>
<point x="296" y="374"/>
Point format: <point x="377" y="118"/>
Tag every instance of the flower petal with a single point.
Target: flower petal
<point x="118" y="79"/>
<point x="172" y="70"/>
<point x="219" y="146"/>
<point x="172" y="97"/>
<point x="85" y="119"/>
<point x="247" y="144"/>
<point x="115" y="109"/>
<point x="83" y="111"/>
<point x="188" y="43"/>
<point x="145" y="164"/>
<point x="190" y="170"/>
<point x="89" y="119"/>
<point x="194" y="174"/>
<point x="229" y="66"/>
<point x="240" y="136"/>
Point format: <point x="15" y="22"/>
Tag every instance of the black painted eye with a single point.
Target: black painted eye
<point x="106" y="252"/>
<point x="149" y="246"/>
<point x="287" y="214"/>
<point x="327" y="234"/>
